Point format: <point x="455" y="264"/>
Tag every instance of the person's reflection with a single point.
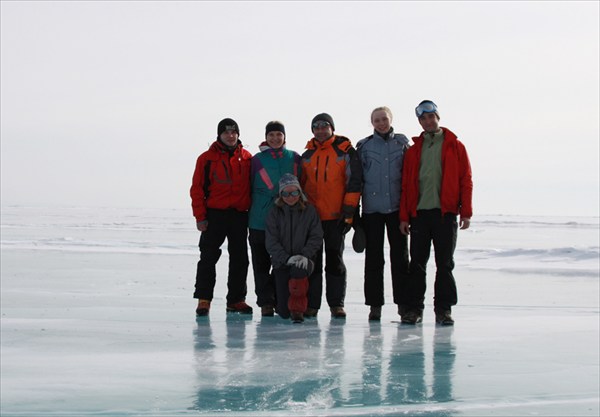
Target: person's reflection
<point x="372" y="363"/>
<point x="289" y="364"/>
<point x="224" y="383"/>
<point x="406" y="371"/>
<point x="444" y="354"/>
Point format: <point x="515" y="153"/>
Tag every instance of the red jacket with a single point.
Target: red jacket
<point x="457" y="184"/>
<point x="221" y="180"/>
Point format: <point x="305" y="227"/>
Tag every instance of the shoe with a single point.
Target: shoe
<point x="402" y="309"/>
<point x="267" y="311"/>
<point x="375" y="313"/>
<point x="297" y="317"/>
<point x="239" y="307"/>
<point x="311" y="312"/>
<point x="338" y="312"/>
<point x="203" y="307"/>
<point x="412" y="317"/>
<point x="444" y="318"/>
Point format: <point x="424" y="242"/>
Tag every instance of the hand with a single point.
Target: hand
<point x="298" y="261"/>
<point x="302" y="262"/>
<point x="293" y="259"/>
<point x="202" y="226"/>
<point x="405" y="228"/>
<point x="465" y="222"/>
<point x="345" y="226"/>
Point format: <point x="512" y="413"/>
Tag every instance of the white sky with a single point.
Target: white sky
<point x="110" y="103"/>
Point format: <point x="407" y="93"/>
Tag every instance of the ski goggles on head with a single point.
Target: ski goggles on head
<point x="320" y="123"/>
<point x="425" y="107"/>
<point x="294" y="193"/>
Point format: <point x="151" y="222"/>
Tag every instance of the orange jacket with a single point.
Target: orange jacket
<point x="457" y="184"/>
<point x="221" y="180"/>
<point x="332" y="177"/>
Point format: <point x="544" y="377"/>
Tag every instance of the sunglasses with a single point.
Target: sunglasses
<point x="425" y="107"/>
<point x="294" y="193"/>
<point x="320" y="123"/>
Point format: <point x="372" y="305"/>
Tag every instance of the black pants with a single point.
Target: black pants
<point x="335" y="270"/>
<point x="430" y="226"/>
<point x="264" y="284"/>
<point x="233" y="226"/>
<point x="375" y="226"/>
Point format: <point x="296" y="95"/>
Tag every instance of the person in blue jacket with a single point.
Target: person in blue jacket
<point x="268" y="166"/>
<point x="382" y="155"/>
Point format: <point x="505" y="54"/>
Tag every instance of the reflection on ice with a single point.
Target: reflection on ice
<point x="273" y="365"/>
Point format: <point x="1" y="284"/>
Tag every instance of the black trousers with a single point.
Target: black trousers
<point x="264" y="283"/>
<point x="427" y="227"/>
<point x="375" y="226"/>
<point x="335" y="270"/>
<point x="231" y="225"/>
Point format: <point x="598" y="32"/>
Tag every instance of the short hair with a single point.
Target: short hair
<point x="385" y="109"/>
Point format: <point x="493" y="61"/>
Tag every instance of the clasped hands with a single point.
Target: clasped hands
<point x="298" y="261"/>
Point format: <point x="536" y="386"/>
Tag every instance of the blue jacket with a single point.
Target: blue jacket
<point x="382" y="160"/>
<point x="267" y="168"/>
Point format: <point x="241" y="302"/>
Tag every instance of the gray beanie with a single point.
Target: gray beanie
<point x="288" y="179"/>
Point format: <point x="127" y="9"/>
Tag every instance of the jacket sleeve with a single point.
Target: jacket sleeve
<point x="354" y="174"/>
<point x="197" y="190"/>
<point x="314" y="242"/>
<point x="465" y="183"/>
<point x="279" y="256"/>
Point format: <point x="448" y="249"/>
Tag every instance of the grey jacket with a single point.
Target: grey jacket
<point x="292" y="231"/>
<point x="382" y="171"/>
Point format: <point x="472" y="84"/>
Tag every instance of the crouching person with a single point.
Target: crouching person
<point x="293" y="236"/>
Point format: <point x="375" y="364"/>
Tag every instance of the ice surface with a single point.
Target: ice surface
<point x="98" y="319"/>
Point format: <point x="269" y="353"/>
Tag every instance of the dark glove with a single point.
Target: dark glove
<point x="344" y="227"/>
<point x="357" y="220"/>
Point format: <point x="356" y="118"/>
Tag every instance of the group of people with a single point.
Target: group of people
<point x="292" y="208"/>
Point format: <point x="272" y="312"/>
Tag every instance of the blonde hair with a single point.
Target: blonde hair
<point x="385" y="109"/>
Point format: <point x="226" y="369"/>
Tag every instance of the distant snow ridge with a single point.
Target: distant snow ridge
<point x="514" y="244"/>
<point x="583" y="261"/>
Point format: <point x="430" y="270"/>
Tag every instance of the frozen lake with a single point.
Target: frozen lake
<point x="98" y="319"/>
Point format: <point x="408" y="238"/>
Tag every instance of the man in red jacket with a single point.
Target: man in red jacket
<point x="220" y="201"/>
<point x="436" y="188"/>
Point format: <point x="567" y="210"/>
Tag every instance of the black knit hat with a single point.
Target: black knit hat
<point x="323" y="117"/>
<point x="274" y="126"/>
<point x="227" y="124"/>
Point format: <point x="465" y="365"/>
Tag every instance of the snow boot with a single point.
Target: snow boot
<point x="203" y="308"/>
<point x="444" y="318"/>
<point x="239" y="307"/>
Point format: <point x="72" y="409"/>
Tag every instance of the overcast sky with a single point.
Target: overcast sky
<point x="110" y="103"/>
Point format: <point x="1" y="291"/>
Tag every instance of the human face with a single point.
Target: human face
<point x="229" y="137"/>
<point x="275" y="139"/>
<point x="429" y="122"/>
<point x="381" y="121"/>
<point x="290" y="200"/>
<point x="323" y="132"/>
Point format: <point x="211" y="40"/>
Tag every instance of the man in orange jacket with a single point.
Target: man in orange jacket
<point x="332" y="181"/>
<point x="436" y="187"/>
